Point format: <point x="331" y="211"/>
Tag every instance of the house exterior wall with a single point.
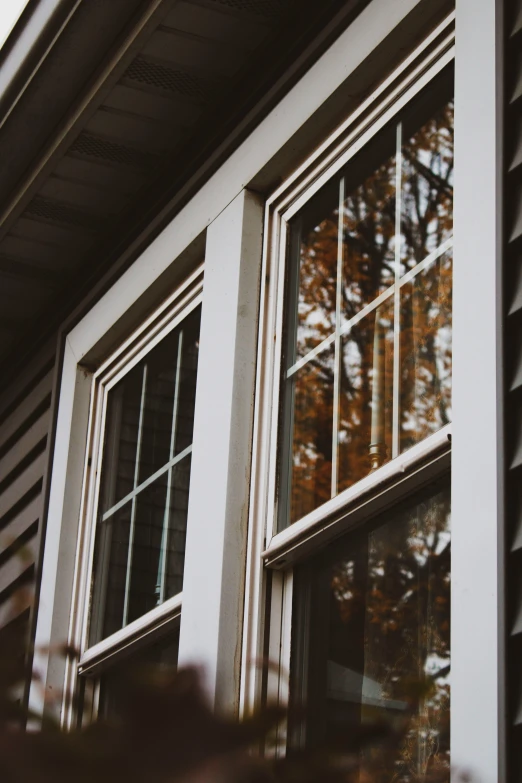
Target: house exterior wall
<point x="231" y="215"/>
<point x="25" y="446"/>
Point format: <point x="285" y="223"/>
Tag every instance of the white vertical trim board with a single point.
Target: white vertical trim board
<point x="476" y="466"/>
<point x="220" y="474"/>
<point x="61" y="539"/>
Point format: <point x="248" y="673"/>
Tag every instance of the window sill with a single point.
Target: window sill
<point x="418" y="466"/>
<point x="140" y="630"/>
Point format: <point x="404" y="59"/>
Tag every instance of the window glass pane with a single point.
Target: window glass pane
<point x="371" y="643"/>
<point x="314" y="241"/>
<point x="426" y="351"/>
<point x="110" y="571"/>
<point x="174" y="544"/>
<point x="121" y="437"/>
<point x="366" y="401"/>
<point x="368" y="239"/>
<point x="347" y="266"/>
<point x="309" y="404"/>
<point x="140" y="537"/>
<point x="161" y="656"/>
<point x="427" y="180"/>
<point x="187" y="382"/>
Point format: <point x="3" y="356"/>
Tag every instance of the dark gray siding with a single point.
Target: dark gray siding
<point x="25" y="435"/>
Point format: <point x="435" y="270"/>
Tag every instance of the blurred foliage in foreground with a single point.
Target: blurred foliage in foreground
<point x="164" y="732"/>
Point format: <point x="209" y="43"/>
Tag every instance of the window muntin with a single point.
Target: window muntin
<point x="372" y="624"/>
<point x="144" y="483"/>
<point x="367" y="365"/>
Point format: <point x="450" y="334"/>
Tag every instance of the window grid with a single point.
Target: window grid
<point x="96" y="650"/>
<point x="343" y="329"/>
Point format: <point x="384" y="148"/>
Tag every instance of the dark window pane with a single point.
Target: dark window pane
<point x="369" y="224"/>
<point x="160" y="656"/>
<point x="187" y="382"/>
<point x="140" y="548"/>
<point x="147" y="549"/>
<point x="372" y="633"/>
<point x="140" y="553"/>
<point x="309" y="412"/>
<point x="109" y="574"/>
<point x="426" y="352"/>
<point x="177" y="529"/>
<point x="121" y="438"/>
<point x="161" y="364"/>
<point x="366" y="402"/>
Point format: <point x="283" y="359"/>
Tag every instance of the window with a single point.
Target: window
<point x="354" y="425"/>
<point x="368" y="307"/>
<point x="145" y="476"/>
<point x="136" y="498"/>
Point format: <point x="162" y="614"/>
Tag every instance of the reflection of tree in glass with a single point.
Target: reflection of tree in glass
<point x="404" y="597"/>
<point x="427" y="188"/>
<point x="317" y="284"/>
<point x="368" y="239"/>
<point x="426" y="352"/>
<point x="312" y="444"/>
<point x="368" y="270"/>
<point x="426" y="222"/>
<point x="361" y="367"/>
<point x="368" y="247"/>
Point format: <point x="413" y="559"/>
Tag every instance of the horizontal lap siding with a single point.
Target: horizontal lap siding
<point x="25" y="424"/>
<point x="513" y="378"/>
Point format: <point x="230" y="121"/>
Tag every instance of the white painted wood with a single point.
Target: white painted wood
<point x="476" y="714"/>
<point x="61" y="539"/>
<point x="140" y="627"/>
<point x="219" y="485"/>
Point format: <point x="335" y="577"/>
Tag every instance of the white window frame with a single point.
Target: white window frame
<point x="92" y="658"/>
<point x="381" y="488"/>
<point x="476" y="486"/>
<point x="275" y="552"/>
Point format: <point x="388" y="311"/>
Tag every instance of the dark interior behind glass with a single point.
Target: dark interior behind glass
<point x="371" y="643"/>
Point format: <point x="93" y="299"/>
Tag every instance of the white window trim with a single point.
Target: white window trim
<point x="478" y="715"/>
<point x="183" y="301"/>
<point x="172" y="311"/>
<point x="476" y="488"/>
<point x="404" y="473"/>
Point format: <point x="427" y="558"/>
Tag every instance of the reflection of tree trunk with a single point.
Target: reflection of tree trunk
<point x="377" y="444"/>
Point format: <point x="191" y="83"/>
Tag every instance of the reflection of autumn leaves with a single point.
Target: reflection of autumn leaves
<point x="317" y="287"/>
<point x="426" y="348"/>
<point x="312" y="452"/>
<point x="368" y="243"/>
